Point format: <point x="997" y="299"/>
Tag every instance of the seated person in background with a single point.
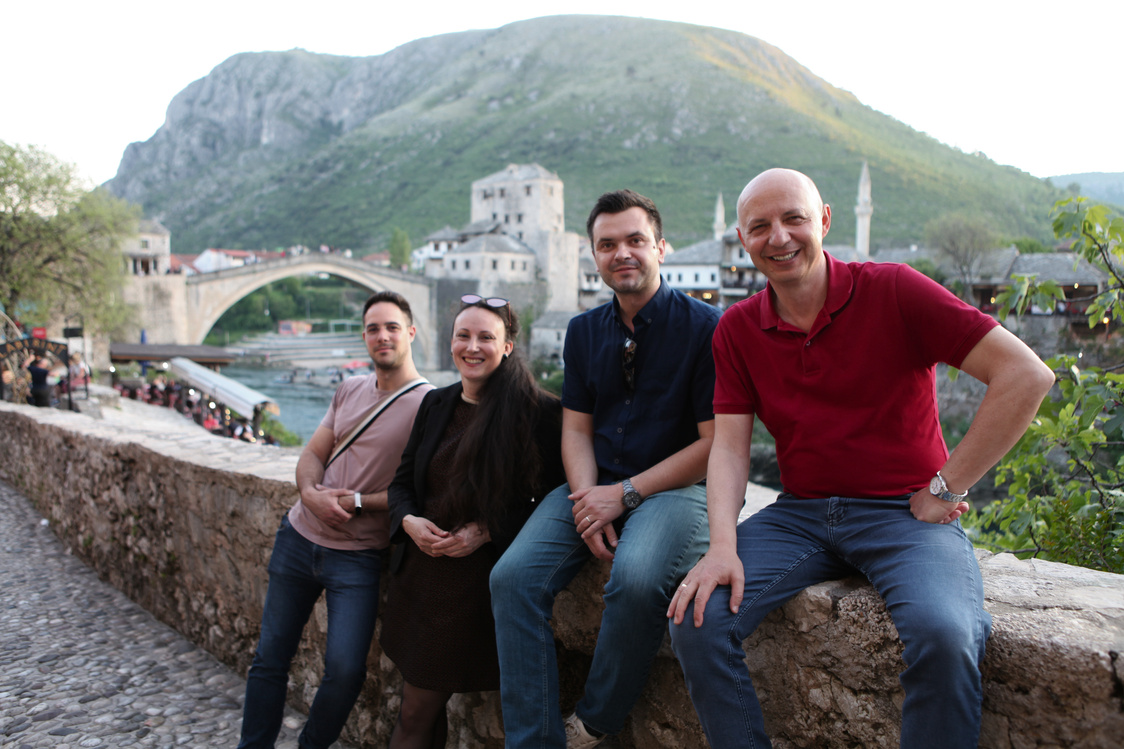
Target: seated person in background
<point x="838" y="359"/>
<point x="481" y="453"/>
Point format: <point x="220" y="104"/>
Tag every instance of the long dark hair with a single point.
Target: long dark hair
<point x="497" y="461"/>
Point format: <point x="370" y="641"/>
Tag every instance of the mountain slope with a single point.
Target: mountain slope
<point x="283" y="147"/>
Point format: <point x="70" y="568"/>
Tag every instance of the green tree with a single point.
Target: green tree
<point x="399" y="248"/>
<point x="1065" y="477"/>
<point x="964" y="240"/>
<point x="59" y="242"/>
<point x="1030" y="246"/>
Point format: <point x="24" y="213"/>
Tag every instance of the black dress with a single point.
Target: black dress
<point x="438" y="627"/>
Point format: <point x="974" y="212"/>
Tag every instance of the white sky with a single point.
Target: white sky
<point x="1029" y="83"/>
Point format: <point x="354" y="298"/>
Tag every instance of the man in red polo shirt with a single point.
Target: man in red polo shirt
<point x="837" y="360"/>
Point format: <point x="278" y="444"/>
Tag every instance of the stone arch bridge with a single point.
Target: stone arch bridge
<point x="182" y="309"/>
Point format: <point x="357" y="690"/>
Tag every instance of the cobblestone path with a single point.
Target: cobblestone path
<point x="81" y="665"/>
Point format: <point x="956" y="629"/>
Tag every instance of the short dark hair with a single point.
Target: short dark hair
<point x="394" y="298"/>
<point x="619" y="202"/>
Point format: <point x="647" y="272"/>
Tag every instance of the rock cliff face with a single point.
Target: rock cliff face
<point x="279" y="147"/>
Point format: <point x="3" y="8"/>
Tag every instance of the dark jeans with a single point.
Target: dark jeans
<point x="298" y="571"/>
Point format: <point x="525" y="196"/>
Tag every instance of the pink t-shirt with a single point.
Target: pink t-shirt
<point x="367" y="466"/>
<point x="852" y="404"/>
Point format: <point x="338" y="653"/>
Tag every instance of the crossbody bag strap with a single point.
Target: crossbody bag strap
<point x="361" y="427"/>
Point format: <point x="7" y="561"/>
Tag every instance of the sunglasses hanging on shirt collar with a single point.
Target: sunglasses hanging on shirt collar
<point x="628" y="364"/>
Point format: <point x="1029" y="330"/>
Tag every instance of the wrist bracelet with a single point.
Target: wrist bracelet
<point x="358" y="504"/>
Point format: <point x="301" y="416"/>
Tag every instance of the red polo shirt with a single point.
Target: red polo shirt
<point x="852" y="404"/>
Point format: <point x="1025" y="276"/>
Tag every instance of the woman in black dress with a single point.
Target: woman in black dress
<point x="481" y="453"/>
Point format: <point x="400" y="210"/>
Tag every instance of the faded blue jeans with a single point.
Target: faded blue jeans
<point x="299" y="571"/>
<point x="658" y="543"/>
<point x="927" y="575"/>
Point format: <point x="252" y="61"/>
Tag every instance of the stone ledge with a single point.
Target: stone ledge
<point x="183" y="522"/>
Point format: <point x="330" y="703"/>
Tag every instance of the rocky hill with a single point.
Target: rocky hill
<point x="277" y="148"/>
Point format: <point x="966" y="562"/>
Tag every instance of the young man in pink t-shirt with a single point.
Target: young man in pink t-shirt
<point x="331" y="541"/>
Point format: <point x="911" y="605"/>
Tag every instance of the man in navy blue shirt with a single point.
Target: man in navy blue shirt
<point x="637" y="426"/>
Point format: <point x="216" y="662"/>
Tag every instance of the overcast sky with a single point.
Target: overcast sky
<point x="1030" y="84"/>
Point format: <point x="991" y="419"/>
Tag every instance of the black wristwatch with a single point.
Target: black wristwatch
<point x="631" y="498"/>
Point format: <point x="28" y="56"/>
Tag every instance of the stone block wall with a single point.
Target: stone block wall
<point x="183" y="523"/>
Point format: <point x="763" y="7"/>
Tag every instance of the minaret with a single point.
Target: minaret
<point x="719" y="218"/>
<point x="863" y="210"/>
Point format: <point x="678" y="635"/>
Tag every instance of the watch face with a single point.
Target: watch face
<point x="936" y="486"/>
<point x="631" y="500"/>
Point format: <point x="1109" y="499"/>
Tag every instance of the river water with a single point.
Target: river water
<point x="302" y="404"/>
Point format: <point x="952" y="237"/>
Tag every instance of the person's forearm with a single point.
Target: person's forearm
<point x="684" y="468"/>
<point x="578" y="460"/>
<point x="310" y="471"/>
<point x="1011" y="402"/>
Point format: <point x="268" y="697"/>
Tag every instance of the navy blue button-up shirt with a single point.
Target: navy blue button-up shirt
<point x="674" y="382"/>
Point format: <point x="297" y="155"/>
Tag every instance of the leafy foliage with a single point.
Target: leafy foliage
<point x="399" y="248"/>
<point x="1066" y="475"/>
<point x="59" y="243"/>
<point x="965" y="241"/>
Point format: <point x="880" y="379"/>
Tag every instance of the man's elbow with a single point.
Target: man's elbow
<point x="1039" y="378"/>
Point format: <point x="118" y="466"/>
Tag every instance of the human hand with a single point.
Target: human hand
<point x="463" y="542"/>
<point x="595" y="509"/>
<point x="714" y="569"/>
<point x="929" y="509"/>
<point x="325" y="504"/>
<point x="424" y="533"/>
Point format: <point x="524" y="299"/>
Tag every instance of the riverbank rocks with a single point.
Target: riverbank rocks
<point x="183" y="523"/>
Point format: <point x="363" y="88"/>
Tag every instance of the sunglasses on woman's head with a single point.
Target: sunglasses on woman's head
<point x="495" y="302"/>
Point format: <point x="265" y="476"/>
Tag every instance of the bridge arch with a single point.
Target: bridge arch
<point x="209" y="295"/>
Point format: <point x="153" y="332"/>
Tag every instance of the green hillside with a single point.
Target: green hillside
<point x="675" y="111"/>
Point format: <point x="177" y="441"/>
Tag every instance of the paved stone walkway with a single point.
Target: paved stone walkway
<point x="81" y="665"/>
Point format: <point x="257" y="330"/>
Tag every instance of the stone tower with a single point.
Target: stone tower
<point x="527" y="201"/>
<point x="863" y="211"/>
<point x="719" y="218"/>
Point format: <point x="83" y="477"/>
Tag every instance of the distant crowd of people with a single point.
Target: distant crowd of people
<point x="495" y="495"/>
<point x="216" y="418"/>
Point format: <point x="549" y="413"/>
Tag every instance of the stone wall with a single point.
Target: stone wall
<point x="183" y="522"/>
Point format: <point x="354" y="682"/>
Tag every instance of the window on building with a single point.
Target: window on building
<point x="527" y="190"/>
<point x="494" y="216"/>
<point x="513" y="265"/>
<point x="495" y="264"/>
<point x="502" y="193"/>
<point x="507" y="218"/>
<point x="696" y="278"/>
<point x="144" y="244"/>
<point x="454" y="265"/>
<point x="520" y="235"/>
<point x="524" y="265"/>
<point x="680" y="278"/>
<point x="519" y="218"/>
<point x="557" y="335"/>
<point x="467" y="264"/>
<point x="713" y="277"/>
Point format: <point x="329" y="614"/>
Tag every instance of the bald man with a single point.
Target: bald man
<point x="837" y="360"/>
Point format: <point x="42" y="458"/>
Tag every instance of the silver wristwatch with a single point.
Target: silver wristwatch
<point x="939" y="489"/>
<point x="631" y="498"/>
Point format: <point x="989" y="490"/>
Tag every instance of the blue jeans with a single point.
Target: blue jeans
<point x="927" y="575"/>
<point x="298" y="571"/>
<point x="658" y="543"/>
